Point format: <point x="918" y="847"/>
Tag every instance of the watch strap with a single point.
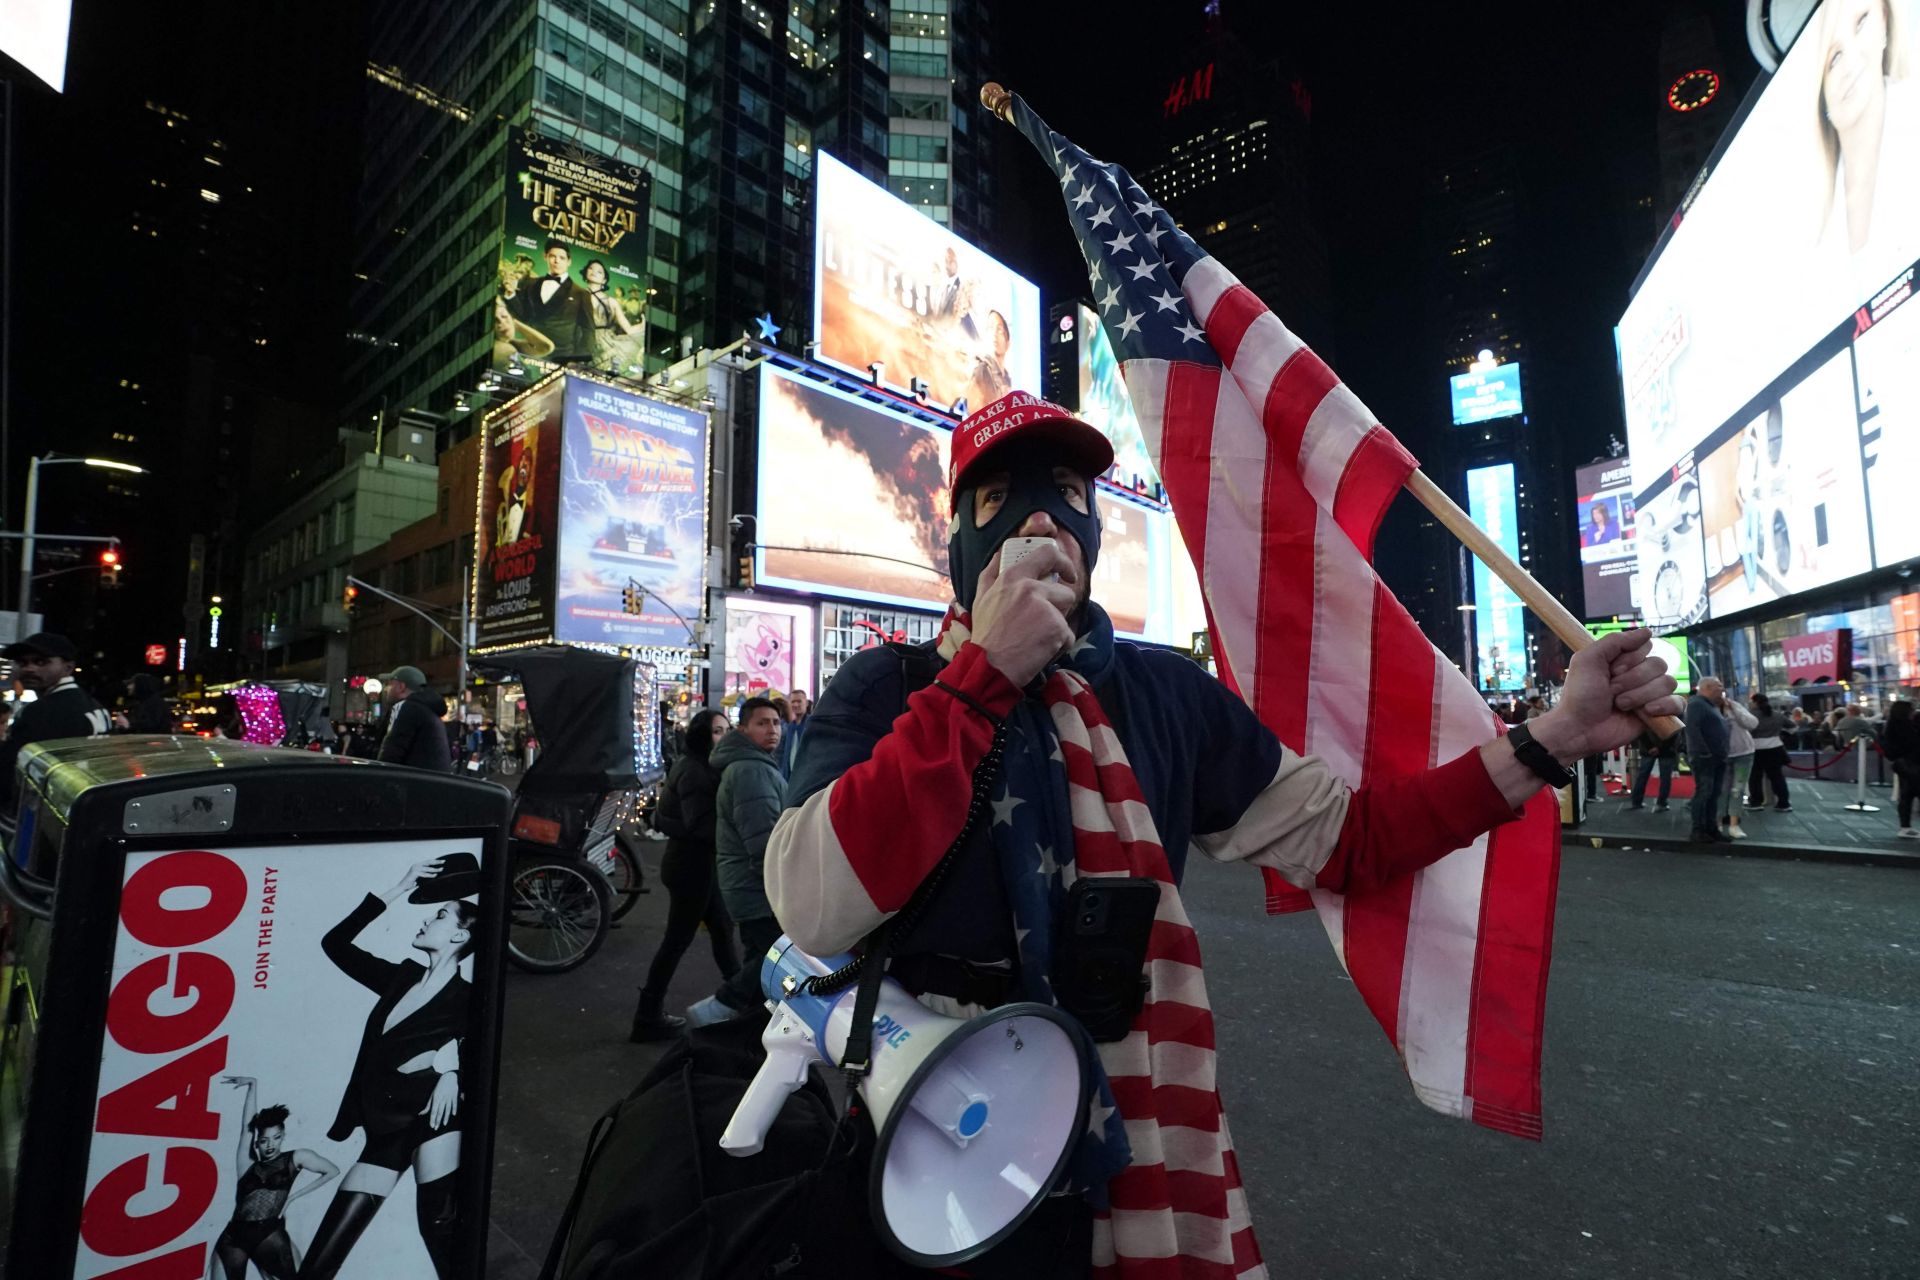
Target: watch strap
<point x="1537" y="758"/>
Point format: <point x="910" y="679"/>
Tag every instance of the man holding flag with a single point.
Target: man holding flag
<point x="1113" y="760"/>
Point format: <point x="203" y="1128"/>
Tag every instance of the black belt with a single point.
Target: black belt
<point x="962" y="980"/>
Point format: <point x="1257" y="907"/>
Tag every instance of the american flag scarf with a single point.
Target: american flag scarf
<point x="1279" y="477"/>
<point x="1157" y="1160"/>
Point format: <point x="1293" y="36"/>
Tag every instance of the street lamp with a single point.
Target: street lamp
<point x="33" y="504"/>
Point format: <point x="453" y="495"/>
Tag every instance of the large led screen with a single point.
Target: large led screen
<point x="1485" y="394"/>
<point x="853" y="501"/>
<point x="1766" y="370"/>
<point x="1499" y="619"/>
<point x="894" y="287"/>
<point x="633" y="497"/>
<point x="517" y="520"/>
<point x="34" y="34"/>
<point x="1105" y="404"/>
<point x="573" y="262"/>
<point x="1608" y="560"/>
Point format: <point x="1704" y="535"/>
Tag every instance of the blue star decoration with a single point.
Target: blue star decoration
<point x="768" y="329"/>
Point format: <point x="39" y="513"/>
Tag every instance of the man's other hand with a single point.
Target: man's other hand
<point x="1020" y="618"/>
<point x="1609" y="684"/>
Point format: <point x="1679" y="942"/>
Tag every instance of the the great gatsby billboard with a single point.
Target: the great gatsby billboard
<point x="573" y="262"/>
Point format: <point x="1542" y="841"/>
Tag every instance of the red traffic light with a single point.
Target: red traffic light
<point x="110" y="558"/>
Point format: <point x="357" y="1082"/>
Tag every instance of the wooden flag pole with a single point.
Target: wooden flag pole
<point x="1562" y="623"/>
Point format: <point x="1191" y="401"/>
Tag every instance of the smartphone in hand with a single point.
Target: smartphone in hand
<point x="1014" y="550"/>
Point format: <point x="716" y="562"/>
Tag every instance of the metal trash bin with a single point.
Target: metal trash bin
<point x="189" y="914"/>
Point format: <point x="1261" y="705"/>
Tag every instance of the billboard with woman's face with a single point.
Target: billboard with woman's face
<point x="894" y="287"/>
<point x="1768" y="301"/>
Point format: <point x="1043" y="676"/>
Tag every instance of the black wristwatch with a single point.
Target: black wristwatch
<point x="1538" y="758"/>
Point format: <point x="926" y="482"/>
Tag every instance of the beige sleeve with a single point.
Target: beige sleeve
<point x="1291" y="826"/>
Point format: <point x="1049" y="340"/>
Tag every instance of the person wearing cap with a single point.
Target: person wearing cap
<point x="415" y="735"/>
<point x="43" y="665"/>
<point x="1103" y="746"/>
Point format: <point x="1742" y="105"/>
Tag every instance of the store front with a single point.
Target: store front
<point x="1861" y="646"/>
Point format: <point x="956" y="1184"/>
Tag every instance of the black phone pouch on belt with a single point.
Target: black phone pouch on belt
<point x="1100" y="953"/>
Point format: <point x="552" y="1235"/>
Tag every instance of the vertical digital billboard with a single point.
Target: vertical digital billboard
<point x="1765" y="362"/>
<point x="573" y="261"/>
<point x="1499" y="620"/>
<point x="1481" y="395"/>
<point x="516" y="539"/>
<point x="1608" y="557"/>
<point x="633" y="499"/>
<point x="894" y="287"/>
<point x="1104" y="403"/>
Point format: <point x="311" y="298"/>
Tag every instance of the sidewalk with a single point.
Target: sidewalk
<point x="1820" y="828"/>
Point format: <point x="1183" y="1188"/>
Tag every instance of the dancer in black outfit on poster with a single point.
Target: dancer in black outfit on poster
<point x="405" y="1089"/>
<point x="268" y="1171"/>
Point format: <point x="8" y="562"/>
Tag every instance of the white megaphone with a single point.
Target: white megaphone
<point x="976" y="1116"/>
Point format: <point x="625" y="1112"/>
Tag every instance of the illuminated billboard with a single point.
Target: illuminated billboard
<point x="1499" y="620"/>
<point x="586" y="490"/>
<point x="633" y="512"/>
<point x="34" y="34"/>
<point x="853" y="501"/>
<point x="896" y="288"/>
<point x="517" y="534"/>
<point x="1608" y="556"/>
<point x="573" y="262"/>
<point x="1481" y="395"/>
<point x="1766" y="358"/>
<point x="769" y="646"/>
<point x="1105" y="404"/>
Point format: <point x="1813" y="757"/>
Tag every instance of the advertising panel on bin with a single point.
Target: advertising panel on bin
<point x="516" y="539"/>
<point x="1499" y="619"/>
<point x="893" y="286"/>
<point x="573" y="262"/>
<point x="1767" y="358"/>
<point x="633" y="500"/>
<point x="1608" y="562"/>
<point x="283" y="1041"/>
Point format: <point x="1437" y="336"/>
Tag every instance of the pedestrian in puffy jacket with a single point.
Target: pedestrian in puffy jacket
<point x="686" y="815"/>
<point x="747" y="805"/>
<point x="415" y="735"/>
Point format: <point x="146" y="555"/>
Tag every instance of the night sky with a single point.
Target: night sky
<point x="1577" y="93"/>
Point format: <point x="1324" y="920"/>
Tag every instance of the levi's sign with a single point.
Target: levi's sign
<point x="1819" y="656"/>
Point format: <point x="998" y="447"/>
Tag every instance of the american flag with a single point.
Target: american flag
<point x="1279" y="476"/>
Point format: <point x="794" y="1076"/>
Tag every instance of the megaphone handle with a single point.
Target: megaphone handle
<point x="789" y="1045"/>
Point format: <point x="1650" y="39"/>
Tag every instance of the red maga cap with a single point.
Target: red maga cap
<point x="1026" y="418"/>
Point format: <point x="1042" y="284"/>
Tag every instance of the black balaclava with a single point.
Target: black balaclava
<point x="1030" y="488"/>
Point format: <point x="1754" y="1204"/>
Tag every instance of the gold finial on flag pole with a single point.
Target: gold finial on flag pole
<point x="995" y="98"/>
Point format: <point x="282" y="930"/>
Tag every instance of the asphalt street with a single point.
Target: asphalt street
<point x="1732" y="1085"/>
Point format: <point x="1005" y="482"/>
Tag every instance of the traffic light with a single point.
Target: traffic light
<point x="746" y="571"/>
<point x="349" y="597"/>
<point x="632" y="597"/>
<point x="110" y="567"/>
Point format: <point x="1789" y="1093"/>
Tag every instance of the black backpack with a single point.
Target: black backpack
<point x="657" y="1199"/>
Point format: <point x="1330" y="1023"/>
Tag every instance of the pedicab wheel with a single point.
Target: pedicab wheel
<point x="557" y="915"/>
<point x="624" y="876"/>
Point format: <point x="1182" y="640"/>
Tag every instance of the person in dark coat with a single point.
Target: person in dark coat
<point x="1708" y="740"/>
<point x="686" y="816"/>
<point x="415" y="735"/>
<point x="1655" y="752"/>
<point x="150" y="712"/>
<point x="405" y="1088"/>
<point x="43" y="664"/>
<point x="1900" y="740"/>
<point x="746" y="806"/>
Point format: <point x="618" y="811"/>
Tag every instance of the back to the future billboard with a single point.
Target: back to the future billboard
<point x="586" y="490"/>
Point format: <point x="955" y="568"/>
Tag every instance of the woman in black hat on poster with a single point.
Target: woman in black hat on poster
<point x="405" y="1088"/>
